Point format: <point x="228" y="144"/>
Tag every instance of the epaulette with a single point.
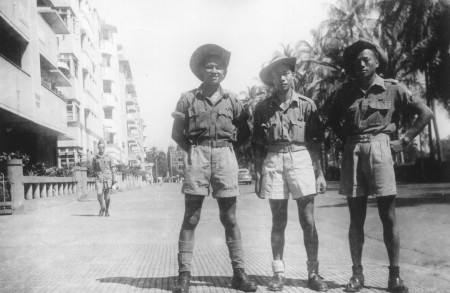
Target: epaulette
<point x="391" y="80"/>
<point x="306" y="99"/>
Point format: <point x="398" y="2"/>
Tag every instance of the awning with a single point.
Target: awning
<point x="58" y="78"/>
<point x="54" y="20"/>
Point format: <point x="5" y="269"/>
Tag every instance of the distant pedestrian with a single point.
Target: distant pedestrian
<point x="365" y="116"/>
<point x="205" y="126"/>
<point x="102" y="165"/>
<point x="287" y="151"/>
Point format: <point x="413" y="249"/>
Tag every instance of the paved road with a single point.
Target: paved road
<point x="69" y="249"/>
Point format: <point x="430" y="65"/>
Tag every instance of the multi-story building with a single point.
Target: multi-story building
<point x="135" y="125"/>
<point x="32" y="107"/>
<point x="60" y="89"/>
<point x="113" y="105"/>
<point x="175" y="159"/>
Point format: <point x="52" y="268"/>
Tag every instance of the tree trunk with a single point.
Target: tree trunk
<point x="430" y="133"/>
<point x="436" y="132"/>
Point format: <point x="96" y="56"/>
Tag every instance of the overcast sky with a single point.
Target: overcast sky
<point x="160" y="36"/>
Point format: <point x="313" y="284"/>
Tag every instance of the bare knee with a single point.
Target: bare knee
<point x="228" y="219"/>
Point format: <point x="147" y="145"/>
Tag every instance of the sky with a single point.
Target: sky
<point x="159" y="38"/>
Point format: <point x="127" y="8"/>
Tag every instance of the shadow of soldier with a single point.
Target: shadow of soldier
<point x="167" y="283"/>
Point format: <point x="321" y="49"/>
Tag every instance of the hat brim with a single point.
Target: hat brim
<point x="204" y="51"/>
<point x="264" y="74"/>
<point x="354" y="49"/>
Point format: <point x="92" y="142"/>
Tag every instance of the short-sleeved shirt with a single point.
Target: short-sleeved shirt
<point x="298" y="124"/>
<point x="205" y="120"/>
<point x="377" y="110"/>
<point x="102" y="166"/>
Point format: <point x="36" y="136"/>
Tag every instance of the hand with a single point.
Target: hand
<point x="397" y="146"/>
<point x="258" y="184"/>
<point x="321" y="184"/>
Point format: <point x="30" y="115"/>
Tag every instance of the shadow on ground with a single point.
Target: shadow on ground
<point x="167" y="283"/>
<point x="424" y="199"/>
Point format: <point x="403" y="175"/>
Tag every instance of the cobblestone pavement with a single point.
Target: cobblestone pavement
<point x="69" y="249"/>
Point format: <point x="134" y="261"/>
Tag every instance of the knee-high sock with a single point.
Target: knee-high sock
<point x="185" y="252"/>
<point x="236" y="254"/>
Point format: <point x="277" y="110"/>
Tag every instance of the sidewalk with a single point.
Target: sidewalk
<point x="70" y="249"/>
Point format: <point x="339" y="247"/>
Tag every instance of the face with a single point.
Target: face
<point x="213" y="70"/>
<point x="101" y="148"/>
<point x="282" y="77"/>
<point x="365" y="64"/>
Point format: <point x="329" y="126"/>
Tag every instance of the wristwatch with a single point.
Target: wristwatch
<point x="406" y="141"/>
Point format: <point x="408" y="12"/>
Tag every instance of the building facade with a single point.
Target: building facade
<point x="61" y="83"/>
<point x="175" y="161"/>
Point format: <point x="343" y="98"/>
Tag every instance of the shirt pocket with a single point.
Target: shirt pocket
<point x="297" y="131"/>
<point x="378" y="113"/>
<point x="225" y="121"/>
<point x="197" y="120"/>
<point x="273" y="131"/>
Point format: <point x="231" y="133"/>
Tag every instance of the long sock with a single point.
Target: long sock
<point x="236" y="254"/>
<point x="278" y="266"/>
<point x="185" y="253"/>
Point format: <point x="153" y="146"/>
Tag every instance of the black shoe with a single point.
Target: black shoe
<point x="277" y="282"/>
<point x="101" y="212"/>
<point x="183" y="282"/>
<point x="395" y="285"/>
<point x="241" y="282"/>
<point x="316" y="283"/>
<point x="356" y="283"/>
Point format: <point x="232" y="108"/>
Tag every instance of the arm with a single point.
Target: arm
<point x="314" y="138"/>
<point x="179" y="123"/>
<point x="259" y="151"/>
<point x="424" y="115"/>
<point x="240" y="121"/>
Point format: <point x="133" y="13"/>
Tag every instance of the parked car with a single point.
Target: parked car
<point x="244" y="176"/>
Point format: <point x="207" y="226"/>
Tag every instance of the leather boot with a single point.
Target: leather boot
<point x="183" y="282"/>
<point x="315" y="281"/>
<point x="241" y="281"/>
<point x="277" y="282"/>
<point x="356" y="282"/>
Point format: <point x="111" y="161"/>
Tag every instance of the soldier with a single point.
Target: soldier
<point x="104" y="178"/>
<point x="364" y="115"/>
<point x="205" y="126"/>
<point x="287" y="126"/>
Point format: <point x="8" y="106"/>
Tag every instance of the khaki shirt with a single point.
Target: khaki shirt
<point x="298" y="124"/>
<point x="207" y="121"/>
<point x="103" y="167"/>
<point x="378" y="110"/>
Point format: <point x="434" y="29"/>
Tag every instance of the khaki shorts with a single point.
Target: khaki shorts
<point x="103" y="188"/>
<point x="288" y="173"/>
<point x="367" y="167"/>
<point x="207" y="167"/>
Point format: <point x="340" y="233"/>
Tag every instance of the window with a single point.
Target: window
<point x="107" y="86"/>
<point x="108" y="113"/>
<point x="106" y="60"/>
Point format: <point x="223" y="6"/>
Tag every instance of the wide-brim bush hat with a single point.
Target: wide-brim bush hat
<point x="204" y="51"/>
<point x="264" y="74"/>
<point x="352" y="51"/>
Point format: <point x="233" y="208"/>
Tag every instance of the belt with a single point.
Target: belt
<point x="214" y="143"/>
<point x="286" y="148"/>
<point x="367" y="137"/>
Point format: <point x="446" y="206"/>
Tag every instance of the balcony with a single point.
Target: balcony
<point x="131" y="117"/>
<point x="108" y="73"/>
<point x="108" y="47"/>
<point x="132" y="108"/>
<point x="109" y="100"/>
<point x="51" y="74"/>
<point x="54" y="20"/>
<point x="131" y="100"/>
<point x="110" y="125"/>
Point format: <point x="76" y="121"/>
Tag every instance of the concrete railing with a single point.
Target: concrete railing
<point x="30" y="192"/>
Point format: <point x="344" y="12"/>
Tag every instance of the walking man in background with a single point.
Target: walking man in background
<point x="287" y="126"/>
<point x="102" y="165"/>
<point x="365" y="114"/>
<point x="205" y="126"/>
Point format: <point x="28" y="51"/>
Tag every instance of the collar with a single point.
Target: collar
<point x="294" y="99"/>
<point x="101" y="157"/>
<point x="199" y="91"/>
<point x="377" y="82"/>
